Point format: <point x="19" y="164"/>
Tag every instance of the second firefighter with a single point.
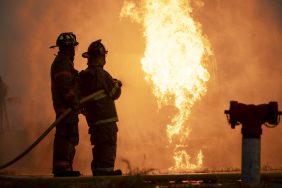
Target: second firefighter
<point x="101" y="114"/>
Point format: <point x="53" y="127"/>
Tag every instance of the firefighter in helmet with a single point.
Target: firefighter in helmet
<point x="64" y="86"/>
<point x="101" y="114"/>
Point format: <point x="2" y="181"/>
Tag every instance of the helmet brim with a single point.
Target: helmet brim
<point x="55" y="46"/>
<point x="85" y="55"/>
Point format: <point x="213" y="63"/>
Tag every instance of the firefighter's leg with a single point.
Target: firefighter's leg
<point x="104" y="139"/>
<point x="66" y="138"/>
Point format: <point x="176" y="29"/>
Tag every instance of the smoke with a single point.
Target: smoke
<point x="246" y="39"/>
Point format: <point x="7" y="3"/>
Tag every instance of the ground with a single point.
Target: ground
<point x="157" y="181"/>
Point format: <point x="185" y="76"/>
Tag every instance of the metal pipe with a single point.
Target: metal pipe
<point x="251" y="148"/>
<point x="252" y="117"/>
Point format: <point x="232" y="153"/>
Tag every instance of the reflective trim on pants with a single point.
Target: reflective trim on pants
<point x="109" y="120"/>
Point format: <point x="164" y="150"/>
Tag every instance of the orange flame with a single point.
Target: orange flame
<point x="174" y="63"/>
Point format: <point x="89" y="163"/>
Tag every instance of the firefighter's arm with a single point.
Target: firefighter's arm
<point x="63" y="77"/>
<point x="111" y="86"/>
<point x="116" y="90"/>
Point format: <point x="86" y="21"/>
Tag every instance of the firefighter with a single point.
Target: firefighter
<point x="64" y="86"/>
<point x="101" y="114"/>
<point x="3" y="110"/>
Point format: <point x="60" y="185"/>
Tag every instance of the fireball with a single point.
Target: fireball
<point x="175" y="60"/>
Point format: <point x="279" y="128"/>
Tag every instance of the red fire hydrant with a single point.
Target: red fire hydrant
<point x="252" y="117"/>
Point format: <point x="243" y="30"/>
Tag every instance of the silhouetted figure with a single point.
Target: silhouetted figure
<point x="4" y="121"/>
<point x="65" y="95"/>
<point x="101" y="114"/>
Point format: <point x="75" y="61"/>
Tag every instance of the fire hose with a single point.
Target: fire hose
<point x="47" y="131"/>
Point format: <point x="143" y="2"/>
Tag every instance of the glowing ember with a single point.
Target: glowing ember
<point x="174" y="61"/>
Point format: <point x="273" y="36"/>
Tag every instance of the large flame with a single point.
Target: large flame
<point x="174" y="62"/>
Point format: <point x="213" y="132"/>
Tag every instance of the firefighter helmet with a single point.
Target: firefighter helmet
<point x="66" y="39"/>
<point x="96" y="48"/>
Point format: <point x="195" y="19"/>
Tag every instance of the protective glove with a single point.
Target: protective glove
<point x="118" y="82"/>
